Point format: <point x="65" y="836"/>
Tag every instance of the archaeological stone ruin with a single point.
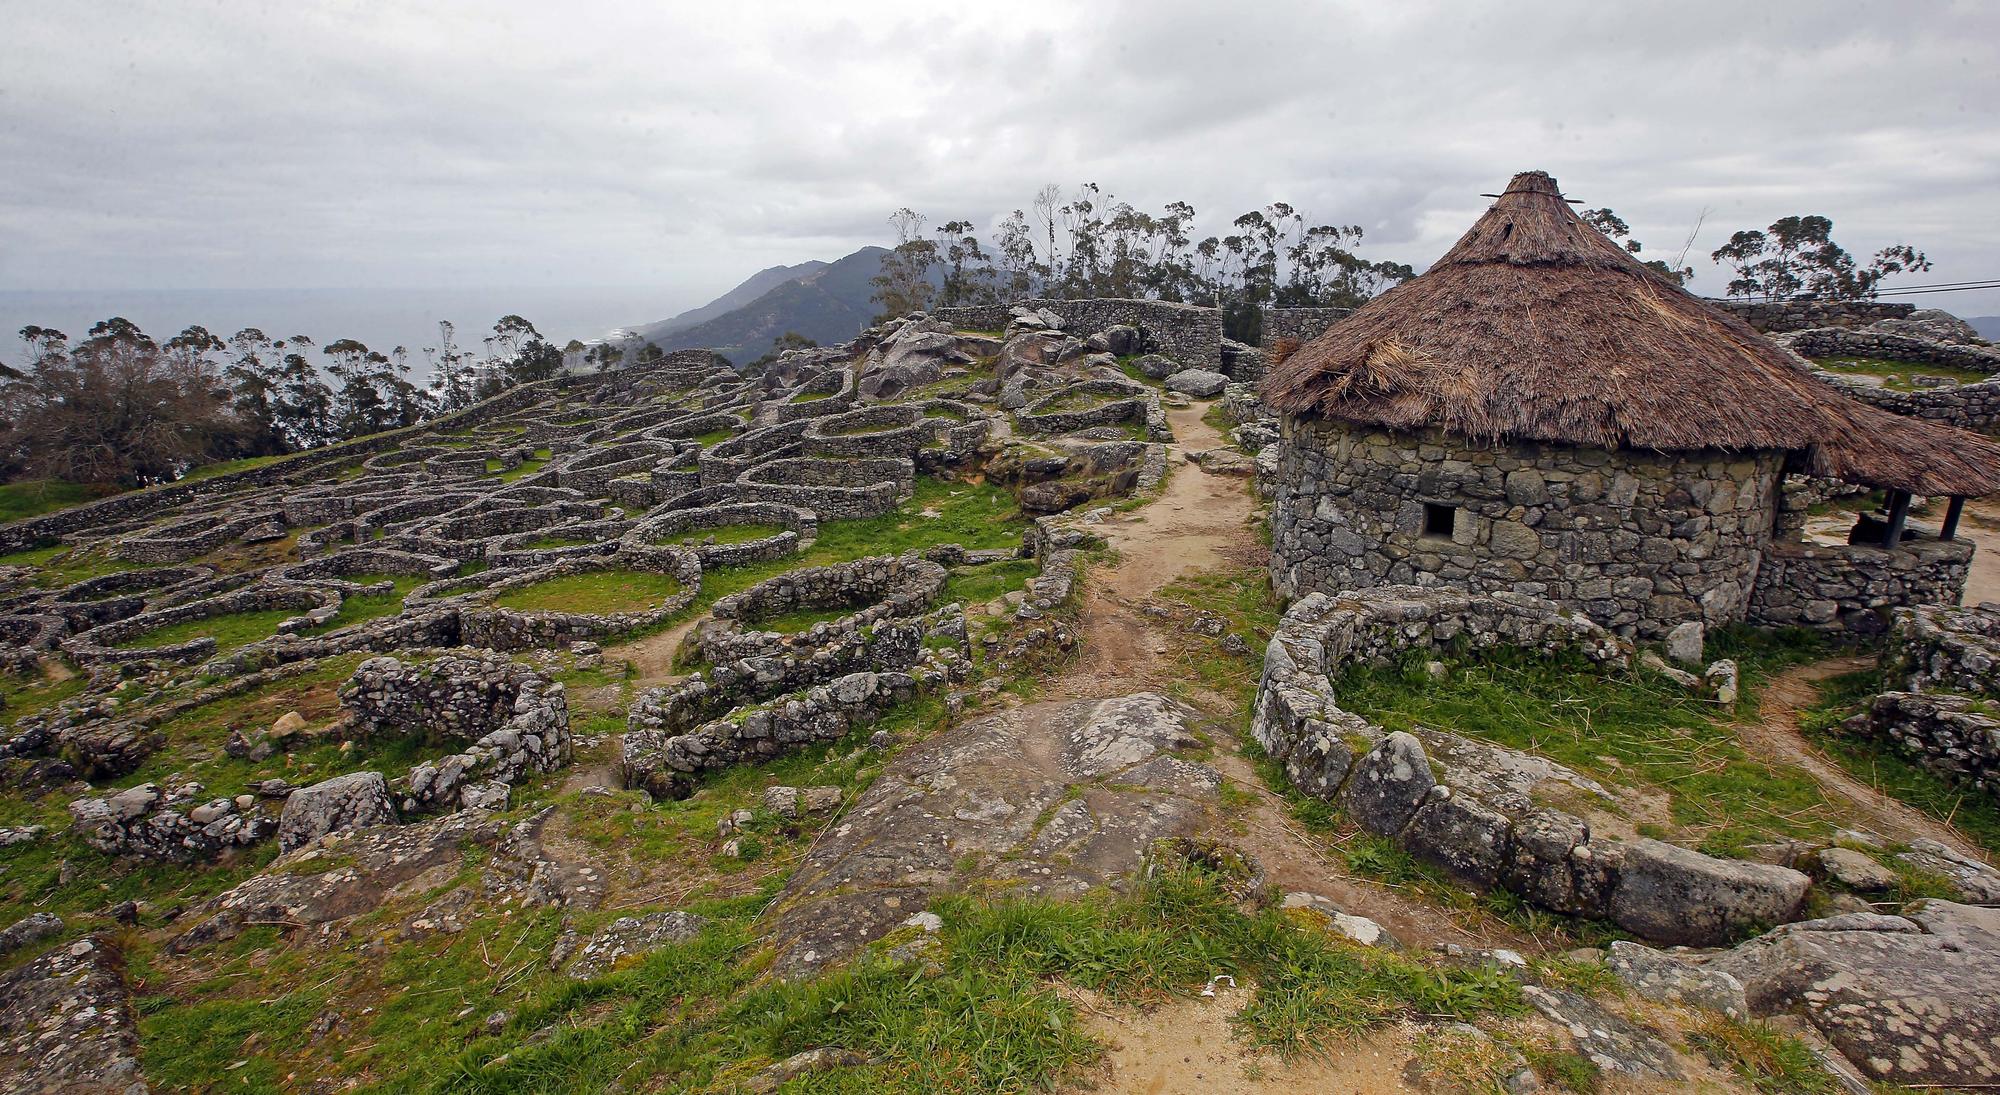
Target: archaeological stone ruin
<point x="791" y="682"/>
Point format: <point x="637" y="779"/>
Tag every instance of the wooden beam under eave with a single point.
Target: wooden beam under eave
<point x="1951" y="515"/>
<point x="1899" y="512"/>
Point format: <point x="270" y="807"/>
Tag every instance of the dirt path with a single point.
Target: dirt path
<point x="1204" y="522"/>
<point x="1776" y="736"/>
<point x="1200" y="522"/>
<point x="652" y="656"/>
<point x="1981" y="525"/>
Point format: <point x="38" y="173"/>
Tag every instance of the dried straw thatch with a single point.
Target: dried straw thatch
<point x="1535" y="327"/>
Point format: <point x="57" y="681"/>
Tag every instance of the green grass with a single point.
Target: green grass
<point x="1071" y="401"/>
<point x="1242" y="598"/>
<point x="1896" y="374"/>
<point x="195" y="739"/>
<point x="21" y="697"/>
<point x="34" y="497"/>
<point x="972" y="515"/>
<point x="1771" y="1061"/>
<point x="978" y="585"/>
<point x="703" y="1015"/>
<point x="725" y="534"/>
<point x="370" y="606"/>
<point x="34" y="557"/>
<point x="714" y="437"/>
<point x="1654" y="733"/>
<point x="226" y="467"/>
<point x="597" y="593"/>
<point x="230" y="632"/>
<point x="525" y="468"/>
<point x="1971" y="811"/>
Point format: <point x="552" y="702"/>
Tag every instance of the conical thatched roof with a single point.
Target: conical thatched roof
<point x="1536" y="327"/>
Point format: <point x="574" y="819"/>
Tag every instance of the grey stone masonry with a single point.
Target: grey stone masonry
<point x="1639" y="542"/>
<point x="1459" y="803"/>
<point x="1796" y="315"/>
<point x="1956" y="738"/>
<point x="1852" y="587"/>
<point x="1936" y="648"/>
<point x="1889" y="345"/>
<point x="1187" y="333"/>
<point x="1303" y="324"/>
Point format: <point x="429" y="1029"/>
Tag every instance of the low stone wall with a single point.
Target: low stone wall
<point x="685" y="526"/>
<point x="1942" y="648"/>
<point x="1187" y="333"/>
<point x="176" y="824"/>
<point x="313" y="463"/>
<point x="664" y="764"/>
<point x="1869" y="342"/>
<point x="879" y="588"/>
<point x="828" y="651"/>
<point x="504" y="629"/>
<point x="1955" y="738"/>
<point x="1303" y="324"/>
<point x="1967" y="406"/>
<point x="1483" y="829"/>
<point x="1124" y="403"/>
<point x="1852" y="587"/>
<point x="98" y="646"/>
<point x="1773" y="317"/>
<point x="451" y="698"/>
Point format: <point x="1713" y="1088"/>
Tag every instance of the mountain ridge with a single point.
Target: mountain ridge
<point x="745" y="292"/>
<point x="829" y="304"/>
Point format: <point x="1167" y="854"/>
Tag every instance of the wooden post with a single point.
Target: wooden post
<point x="1899" y="511"/>
<point x="1951" y="514"/>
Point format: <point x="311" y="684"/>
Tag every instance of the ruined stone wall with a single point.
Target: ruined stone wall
<point x="1869" y="342"/>
<point x="1967" y="406"/>
<point x="1464" y="805"/>
<point x="1851" y="587"/>
<point x="1797" y="315"/>
<point x="1943" y="647"/>
<point x="1304" y="324"/>
<point x="1955" y="738"/>
<point x="306" y="466"/>
<point x="1189" y="334"/>
<point x="1637" y="541"/>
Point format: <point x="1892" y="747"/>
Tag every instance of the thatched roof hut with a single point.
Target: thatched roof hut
<point x="1535" y="327"/>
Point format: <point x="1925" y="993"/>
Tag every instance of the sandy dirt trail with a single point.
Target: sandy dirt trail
<point x="1199" y="522"/>
<point x="1776" y="736"/>
<point x="1203" y="522"/>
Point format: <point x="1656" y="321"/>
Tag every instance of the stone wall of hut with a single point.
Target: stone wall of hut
<point x="1638" y="542"/>
<point x="1774" y="316"/>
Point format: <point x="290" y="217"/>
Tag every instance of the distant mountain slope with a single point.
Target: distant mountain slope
<point x="1987" y="326"/>
<point x="754" y="286"/>
<point x="827" y="305"/>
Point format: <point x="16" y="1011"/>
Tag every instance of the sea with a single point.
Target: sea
<point x="381" y="318"/>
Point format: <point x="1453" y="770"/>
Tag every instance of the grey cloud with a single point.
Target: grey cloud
<point x="325" y="143"/>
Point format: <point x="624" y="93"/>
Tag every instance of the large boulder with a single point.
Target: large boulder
<point x="1050" y="798"/>
<point x="1910" y="1000"/>
<point x="356" y="800"/>
<point x="66" y="1024"/>
<point x="1670" y="894"/>
<point x="1199" y="383"/>
<point x="1388" y="784"/>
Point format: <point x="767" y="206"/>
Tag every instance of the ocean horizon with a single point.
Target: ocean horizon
<point x="382" y="318"/>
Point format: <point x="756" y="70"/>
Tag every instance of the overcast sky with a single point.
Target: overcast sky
<point x="191" y="144"/>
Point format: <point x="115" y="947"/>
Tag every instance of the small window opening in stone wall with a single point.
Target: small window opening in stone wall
<point x="1440" y="520"/>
